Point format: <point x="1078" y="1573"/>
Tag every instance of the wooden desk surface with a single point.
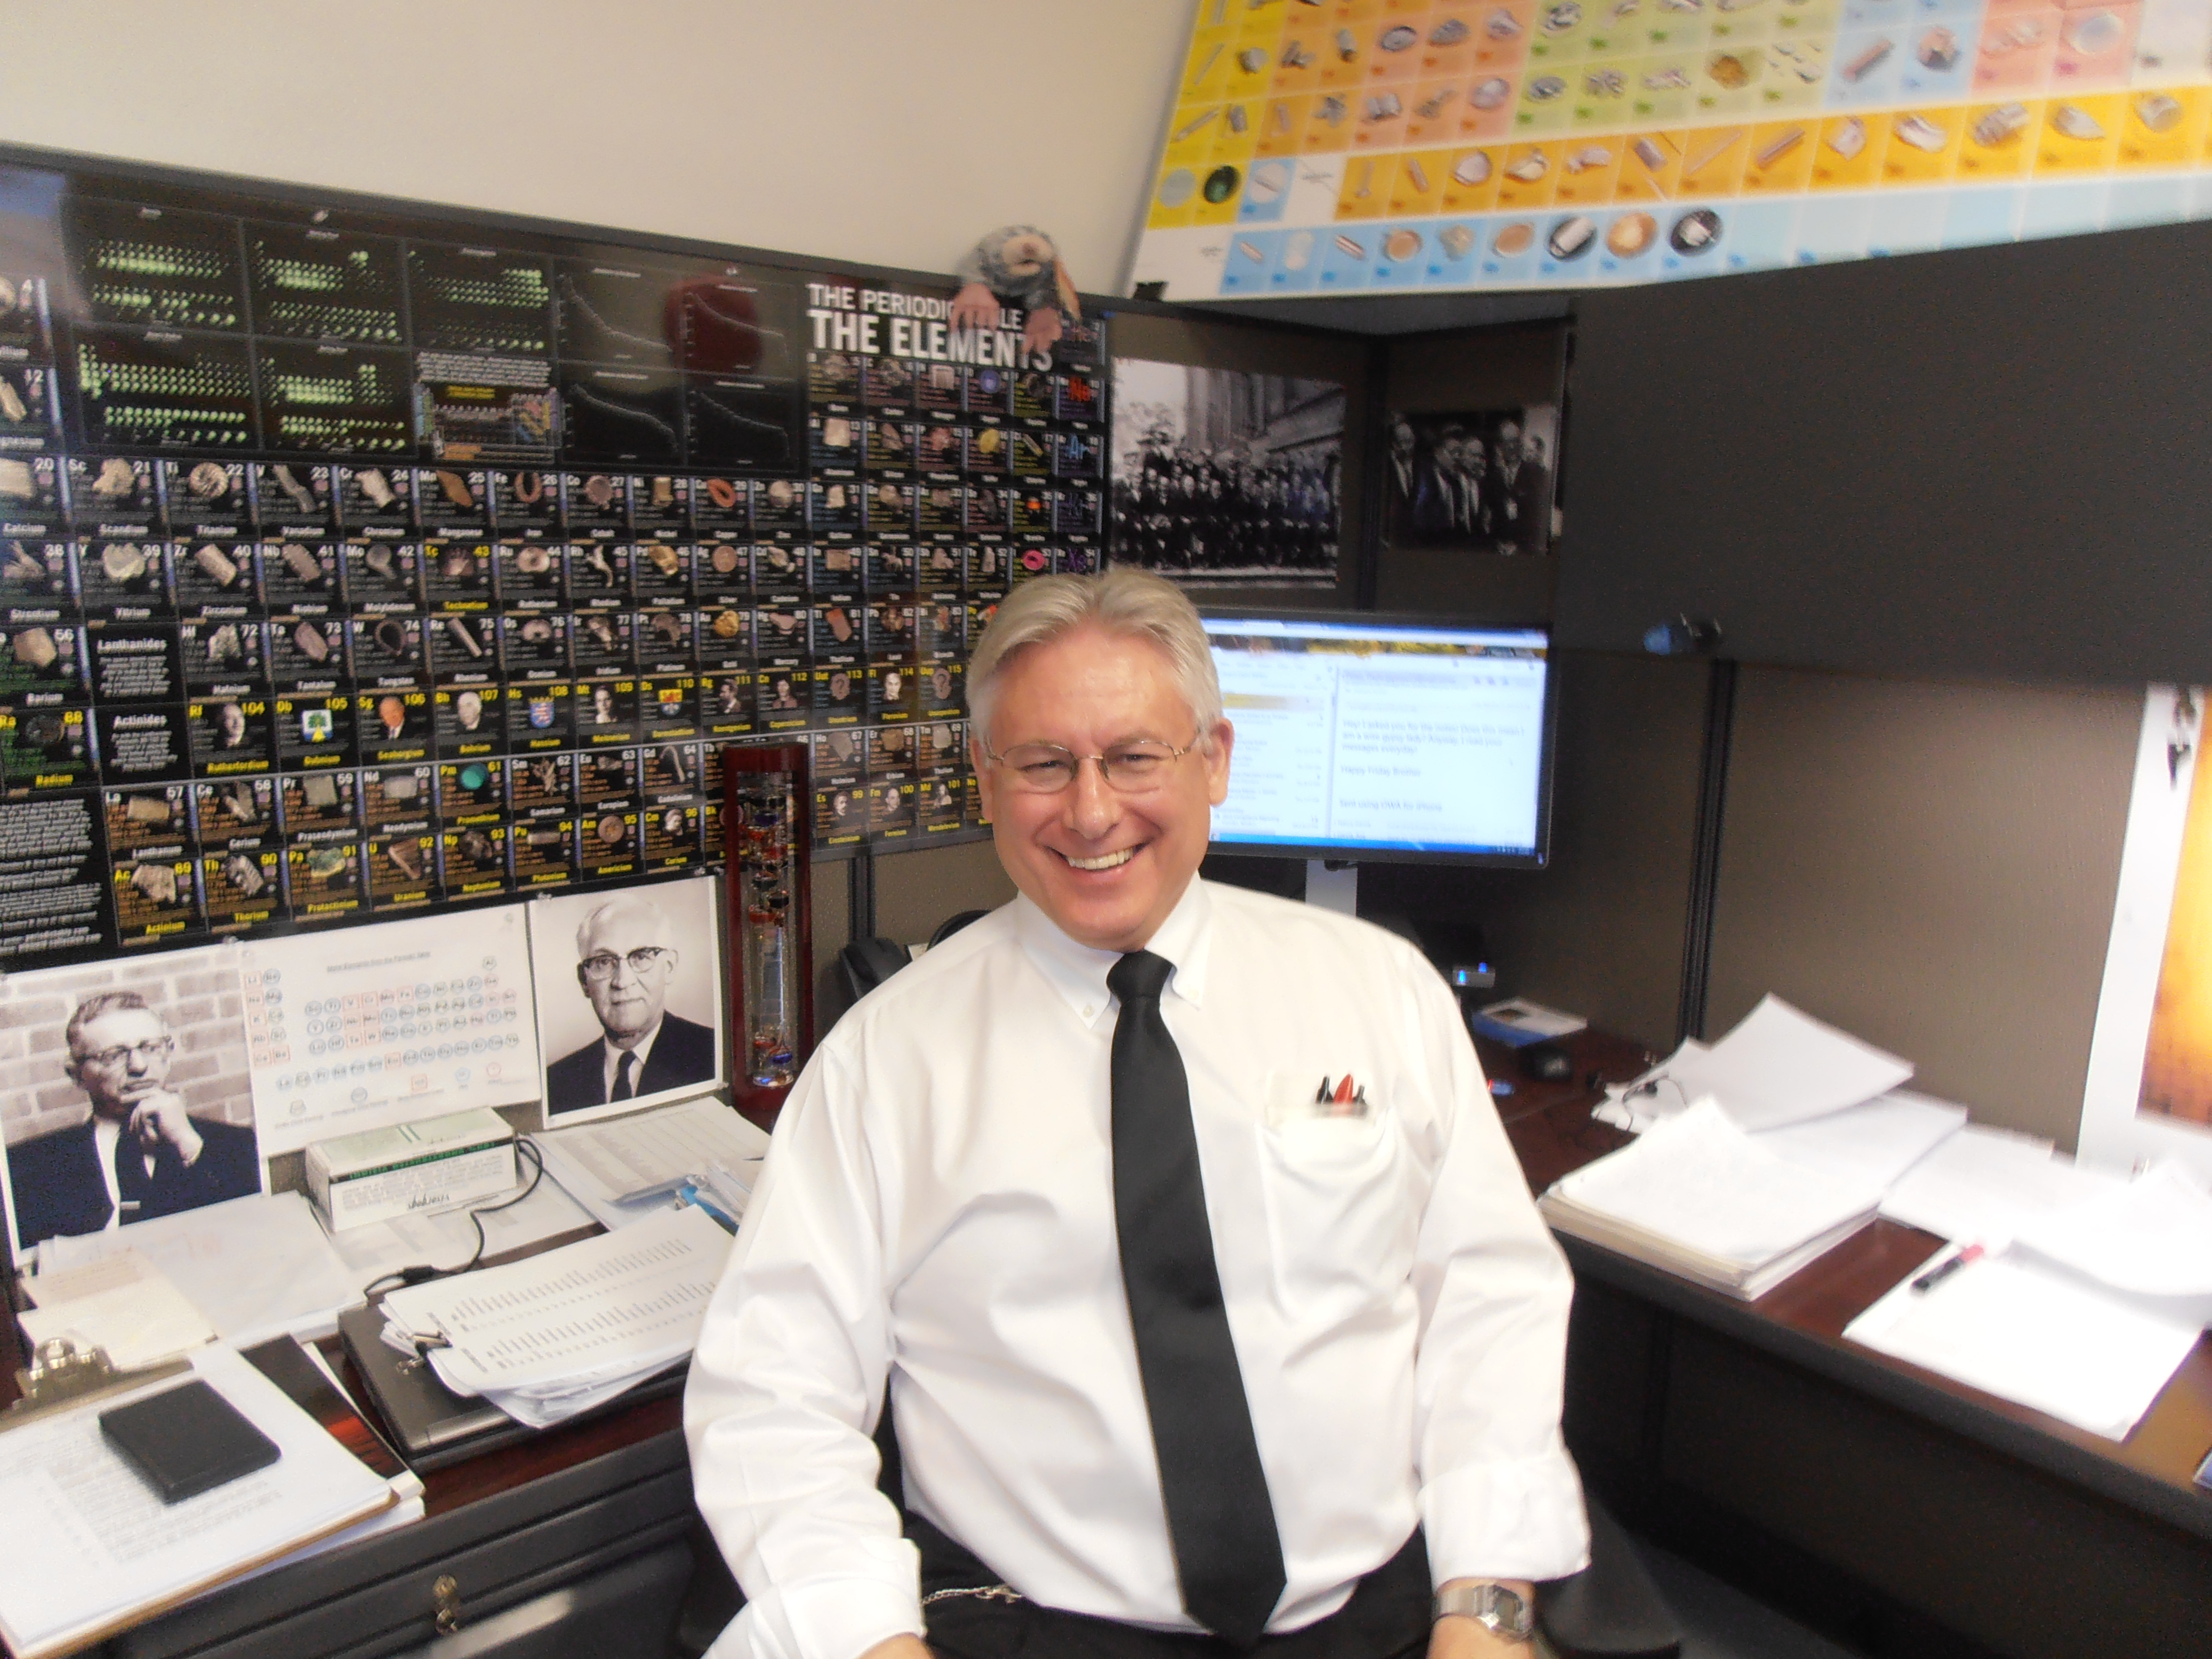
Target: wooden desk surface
<point x="1803" y="1318"/>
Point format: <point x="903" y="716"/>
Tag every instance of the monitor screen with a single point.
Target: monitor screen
<point x="1368" y="736"/>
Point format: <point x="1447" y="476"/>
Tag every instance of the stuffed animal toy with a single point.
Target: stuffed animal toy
<point x="1016" y="265"/>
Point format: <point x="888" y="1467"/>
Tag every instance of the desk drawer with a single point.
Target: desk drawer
<point x="395" y="1613"/>
<point x="625" y="1611"/>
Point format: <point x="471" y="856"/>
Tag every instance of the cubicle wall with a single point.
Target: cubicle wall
<point x="1600" y="930"/>
<point x="1984" y="462"/>
<point x="1929" y="863"/>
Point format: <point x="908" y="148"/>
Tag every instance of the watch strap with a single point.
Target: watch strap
<point x="1502" y="1611"/>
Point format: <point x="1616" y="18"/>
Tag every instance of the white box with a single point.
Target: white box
<point x="411" y="1168"/>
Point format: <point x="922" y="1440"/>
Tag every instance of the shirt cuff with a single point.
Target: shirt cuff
<point x="823" y="1619"/>
<point x="1520" y="1519"/>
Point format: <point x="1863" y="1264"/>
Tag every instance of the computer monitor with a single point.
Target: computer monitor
<point x="1364" y="737"/>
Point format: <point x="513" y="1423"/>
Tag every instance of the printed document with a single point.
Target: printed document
<point x="87" y="1547"/>
<point x="1779" y="1066"/>
<point x="627" y="1301"/>
<point x="2000" y="1325"/>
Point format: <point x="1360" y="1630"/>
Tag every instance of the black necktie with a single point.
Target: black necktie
<point x="626" y="1076"/>
<point x="1228" y="1557"/>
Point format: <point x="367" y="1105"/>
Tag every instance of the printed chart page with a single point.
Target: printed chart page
<point x="359" y="1030"/>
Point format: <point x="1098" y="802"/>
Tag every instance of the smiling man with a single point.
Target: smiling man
<point x="1214" y="1310"/>
<point x="625" y="962"/>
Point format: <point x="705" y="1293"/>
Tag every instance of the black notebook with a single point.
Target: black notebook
<point x="187" y="1440"/>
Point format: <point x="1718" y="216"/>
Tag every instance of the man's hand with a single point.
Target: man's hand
<point x="161" y="1117"/>
<point x="1460" y="1638"/>
<point x="899" y="1647"/>
<point x="974" y="306"/>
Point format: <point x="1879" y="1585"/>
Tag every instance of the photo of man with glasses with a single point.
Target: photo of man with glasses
<point x="140" y="1154"/>
<point x="626" y="960"/>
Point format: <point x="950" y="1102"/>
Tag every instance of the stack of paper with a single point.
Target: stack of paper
<point x="1982" y="1186"/>
<point x="624" y="1169"/>
<point x="2149" y="1242"/>
<point x="257" y="1267"/>
<point x="1778" y="1065"/>
<point x="123" y="1305"/>
<point x="2001" y="1325"/>
<point x="1875" y="1141"/>
<point x="86" y="1547"/>
<point x="554" y="1334"/>
<point x="1698" y="1196"/>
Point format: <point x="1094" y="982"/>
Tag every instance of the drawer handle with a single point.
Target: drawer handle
<point x="446" y="1597"/>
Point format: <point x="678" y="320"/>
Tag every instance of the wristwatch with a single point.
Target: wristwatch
<point x="1501" y="1610"/>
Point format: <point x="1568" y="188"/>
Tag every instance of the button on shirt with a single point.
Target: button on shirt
<point x="939" y="1203"/>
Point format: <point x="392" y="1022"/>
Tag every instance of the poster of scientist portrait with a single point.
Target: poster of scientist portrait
<point x="1225" y="477"/>
<point x="1478" y="482"/>
<point x="629" y="998"/>
<point x="128" y="1095"/>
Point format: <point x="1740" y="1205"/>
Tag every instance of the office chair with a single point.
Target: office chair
<point x="1611" y="1609"/>
<point x="867" y="962"/>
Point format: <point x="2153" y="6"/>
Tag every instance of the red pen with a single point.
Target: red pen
<point x="1935" y="1276"/>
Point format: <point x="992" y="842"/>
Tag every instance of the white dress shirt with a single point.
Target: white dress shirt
<point x="107" y="1136"/>
<point x="939" y="1202"/>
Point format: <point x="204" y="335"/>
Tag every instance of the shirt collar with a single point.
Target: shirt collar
<point x="1078" y="973"/>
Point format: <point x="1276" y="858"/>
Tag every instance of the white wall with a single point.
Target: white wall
<point x="888" y="131"/>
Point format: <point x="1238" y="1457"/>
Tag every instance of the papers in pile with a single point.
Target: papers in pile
<point x="2076" y="1291"/>
<point x="1698" y="1196"/>
<point x="623" y="1170"/>
<point x="2101" y="1295"/>
<point x="87" y="1547"/>
<point x="258" y="1267"/>
<point x="2009" y="1327"/>
<point x="1777" y="1067"/>
<point x="555" y="1335"/>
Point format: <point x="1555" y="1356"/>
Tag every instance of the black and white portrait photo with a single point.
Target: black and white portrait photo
<point x="127" y="1095"/>
<point x="1226" y="476"/>
<point x="629" y="998"/>
<point x="1475" y="483"/>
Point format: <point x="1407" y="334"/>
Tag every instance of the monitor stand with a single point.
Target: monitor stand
<point x="1332" y="885"/>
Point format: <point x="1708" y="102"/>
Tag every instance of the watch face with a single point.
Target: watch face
<point x="1504" y="1611"/>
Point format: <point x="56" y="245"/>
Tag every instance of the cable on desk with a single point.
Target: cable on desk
<point x="423" y="1272"/>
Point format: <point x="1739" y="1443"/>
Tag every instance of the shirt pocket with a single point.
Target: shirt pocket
<point x="1340" y="1222"/>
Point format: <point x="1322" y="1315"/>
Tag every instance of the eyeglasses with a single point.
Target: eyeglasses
<point x="148" y="1051"/>
<point x="601" y="968"/>
<point x="1131" y="769"/>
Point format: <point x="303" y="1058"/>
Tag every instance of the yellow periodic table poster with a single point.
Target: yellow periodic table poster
<point x="1343" y="146"/>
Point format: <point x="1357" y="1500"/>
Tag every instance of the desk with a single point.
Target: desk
<point x="1909" y="1514"/>
<point x="583" y="1525"/>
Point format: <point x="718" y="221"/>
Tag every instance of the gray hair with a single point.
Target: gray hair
<point x="625" y="905"/>
<point x="1134" y="604"/>
<point x="97" y="1006"/>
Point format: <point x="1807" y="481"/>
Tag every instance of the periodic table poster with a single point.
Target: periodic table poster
<point x="359" y="560"/>
<point x="1346" y="146"/>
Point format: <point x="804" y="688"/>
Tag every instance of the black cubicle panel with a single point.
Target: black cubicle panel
<point x="1993" y="461"/>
